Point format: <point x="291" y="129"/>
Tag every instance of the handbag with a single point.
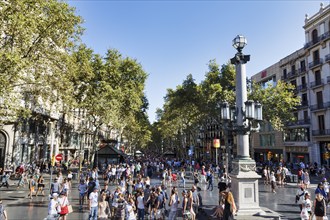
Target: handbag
<point x="64" y="208"/>
<point x="70" y="209"/>
<point x="304" y="214"/>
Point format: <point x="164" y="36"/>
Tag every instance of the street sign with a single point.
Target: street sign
<point x="59" y="157"/>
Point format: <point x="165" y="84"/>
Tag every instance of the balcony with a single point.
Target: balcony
<point x="292" y="74"/>
<point x="324" y="132"/>
<point x="325" y="36"/>
<point x="304" y="104"/>
<point x="327" y="58"/>
<point x="302" y="87"/>
<point x="312" y="43"/>
<point x="320" y="106"/>
<point x="302" y="70"/>
<point x="317" y="83"/>
<point x="306" y="121"/>
<point x="315" y="63"/>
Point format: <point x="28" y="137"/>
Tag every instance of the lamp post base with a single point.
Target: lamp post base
<point x="245" y="187"/>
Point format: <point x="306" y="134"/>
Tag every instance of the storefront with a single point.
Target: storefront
<point x="325" y="153"/>
<point x="297" y="154"/>
<point x="263" y="155"/>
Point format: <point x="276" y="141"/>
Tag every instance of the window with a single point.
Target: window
<point x="294" y="82"/>
<point x="321" y="123"/>
<point x="284" y="74"/>
<point x="304" y="100"/>
<point x="293" y="69"/>
<point x="319" y="98"/>
<point x="302" y="66"/>
<point x="316" y="56"/>
<point x="317" y="77"/>
<point x="315" y="38"/>
<point x="296" y="134"/>
<point x="267" y="140"/>
<point x="305" y="116"/>
<point x="303" y="81"/>
<point x="295" y="115"/>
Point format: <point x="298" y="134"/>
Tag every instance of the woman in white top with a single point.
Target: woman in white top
<point x="173" y="203"/>
<point x="63" y="202"/>
<point x="140" y="205"/>
<point x="306" y="207"/>
<point x="306" y="179"/>
<point x="53" y="206"/>
<point x="103" y="206"/>
<point x="147" y="181"/>
<point x="130" y="209"/>
<point x="65" y="186"/>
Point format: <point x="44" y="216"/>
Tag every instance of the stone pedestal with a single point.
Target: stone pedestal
<point x="245" y="187"/>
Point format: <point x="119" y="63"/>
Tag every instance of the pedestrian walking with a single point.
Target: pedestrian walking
<point x="4" y="180"/>
<point x="140" y="205"/>
<point x="320" y="208"/>
<point x="54" y="207"/>
<point x="64" y="203"/>
<point x="306" y="212"/>
<point x="40" y="185"/>
<point x="130" y="208"/>
<point x="93" y="204"/>
<point x="300" y="196"/>
<point x="103" y="207"/>
<point x="210" y="178"/>
<point x="82" y="188"/>
<point x="196" y="202"/>
<point x="230" y="206"/>
<point x="3" y="212"/>
<point x="273" y="181"/>
<point x="55" y="187"/>
<point x="32" y="185"/>
<point x="182" y="176"/>
<point x="173" y="204"/>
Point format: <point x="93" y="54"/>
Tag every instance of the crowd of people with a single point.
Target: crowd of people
<point x="134" y="190"/>
<point x="134" y="196"/>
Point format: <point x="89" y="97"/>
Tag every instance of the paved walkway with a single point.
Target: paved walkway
<point x="20" y="207"/>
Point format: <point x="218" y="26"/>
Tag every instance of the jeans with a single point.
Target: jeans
<point x="93" y="213"/>
<point x="183" y="181"/>
<point x="210" y="185"/>
<point x="140" y="214"/>
<point x="172" y="215"/>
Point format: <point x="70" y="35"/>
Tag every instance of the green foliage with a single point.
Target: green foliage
<point x="36" y="38"/>
<point x="278" y="102"/>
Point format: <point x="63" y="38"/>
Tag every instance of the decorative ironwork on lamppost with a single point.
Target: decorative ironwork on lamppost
<point x="241" y="119"/>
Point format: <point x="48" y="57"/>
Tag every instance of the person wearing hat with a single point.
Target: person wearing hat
<point x="53" y="206"/>
<point x="64" y="203"/>
<point x="300" y="195"/>
<point x="320" y="189"/>
<point x="93" y="204"/>
<point x="3" y="211"/>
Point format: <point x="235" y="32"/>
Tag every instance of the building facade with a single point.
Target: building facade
<point x="307" y="138"/>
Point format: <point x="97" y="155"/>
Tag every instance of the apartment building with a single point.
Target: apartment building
<point x="308" y="137"/>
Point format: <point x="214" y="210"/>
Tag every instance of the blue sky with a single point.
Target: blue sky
<point x="172" y="39"/>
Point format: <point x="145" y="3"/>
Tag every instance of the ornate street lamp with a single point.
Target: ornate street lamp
<point x="241" y="119"/>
